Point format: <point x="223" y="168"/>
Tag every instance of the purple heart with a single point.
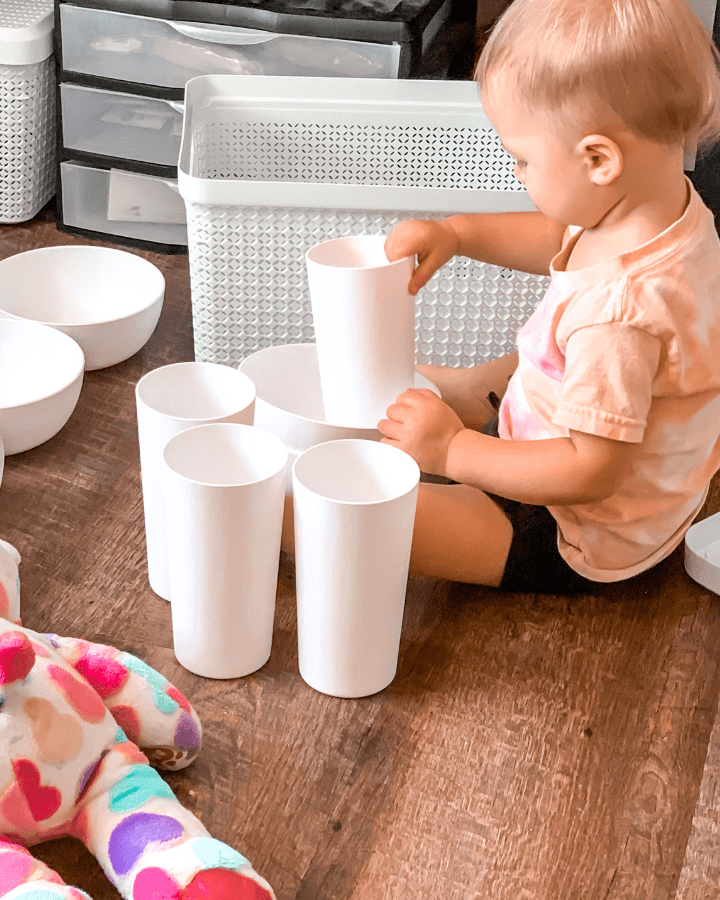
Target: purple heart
<point x="88" y="774"/>
<point x="187" y="736"/>
<point x="130" y="838"/>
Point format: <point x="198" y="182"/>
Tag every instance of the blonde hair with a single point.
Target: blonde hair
<point x="651" y="62"/>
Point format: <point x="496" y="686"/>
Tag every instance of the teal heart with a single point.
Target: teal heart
<point x="140" y="784"/>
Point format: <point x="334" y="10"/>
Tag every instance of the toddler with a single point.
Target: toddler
<point x="608" y="416"/>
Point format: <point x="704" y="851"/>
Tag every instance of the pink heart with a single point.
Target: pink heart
<point x="14" y="869"/>
<point x="83" y="699"/>
<point x="43" y="802"/>
<point x="105" y="674"/>
<point x="179" y="698"/>
<point x="14" y="809"/>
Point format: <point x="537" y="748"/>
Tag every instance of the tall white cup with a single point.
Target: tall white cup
<point x="364" y="321"/>
<point x="224" y="495"/>
<point x="169" y="400"/>
<point x="354" y="503"/>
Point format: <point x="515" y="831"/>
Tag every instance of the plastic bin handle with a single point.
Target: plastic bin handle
<point x="218" y="34"/>
<point x="177" y="105"/>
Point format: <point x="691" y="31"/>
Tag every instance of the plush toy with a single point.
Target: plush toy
<point x="72" y="715"/>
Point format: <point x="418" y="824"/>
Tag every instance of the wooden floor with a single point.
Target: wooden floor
<point x="530" y="748"/>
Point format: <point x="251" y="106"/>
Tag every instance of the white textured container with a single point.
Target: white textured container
<point x="27" y="108"/>
<point x="270" y="166"/>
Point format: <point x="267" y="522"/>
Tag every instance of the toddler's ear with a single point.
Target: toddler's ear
<point x="603" y="158"/>
<point x="9" y="583"/>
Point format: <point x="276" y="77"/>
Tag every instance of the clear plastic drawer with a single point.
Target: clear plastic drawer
<point x="115" y="202"/>
<point x="121" y="125"/>
<point x="164" y="53"/>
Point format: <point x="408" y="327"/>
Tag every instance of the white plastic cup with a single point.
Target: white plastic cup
<point x="169" y="400"/>
<point x="354" y="503"/>
<point x="364" y="322"/>
<point x="224" y="495"/>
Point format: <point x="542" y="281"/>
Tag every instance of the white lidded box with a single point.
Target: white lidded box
<point x="27" y="108"/>
<point x="270" y="166"/>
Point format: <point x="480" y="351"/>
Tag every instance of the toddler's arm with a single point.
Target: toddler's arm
<point x="581" y="468"/>
<point x="525" y="241"/>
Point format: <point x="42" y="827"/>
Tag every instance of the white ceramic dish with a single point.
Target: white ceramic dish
<point x="108" y="300"/>
<point x="702" y="552"/>
<point x="41" y="373"/>
<point x="289" y="403"/>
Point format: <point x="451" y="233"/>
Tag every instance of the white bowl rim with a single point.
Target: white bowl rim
<point x="29" y="323"/>
<point x="287" y="412"/>
<point x="323" y="423"/>
<point x="114" y="251"/>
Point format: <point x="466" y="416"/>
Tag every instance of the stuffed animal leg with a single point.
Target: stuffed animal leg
<point x="149" y="845"/>
<point x="22" y="877"/>
<point x="151" y="711"/>
<point x="67" y="767"/>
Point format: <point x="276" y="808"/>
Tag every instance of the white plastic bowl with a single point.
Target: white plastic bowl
<point x="41" y="373"/>
<point x="108" y="300"/>
<point x="289" y="402"/>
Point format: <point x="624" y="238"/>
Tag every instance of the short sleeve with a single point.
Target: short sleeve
<point x="607" y="386"/>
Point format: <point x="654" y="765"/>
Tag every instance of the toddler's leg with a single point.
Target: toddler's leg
<point x="30" y="879"/>
<point x="150" y="846"/>
<point x="151" y="712"/>
<point x="460" y="534"/>
<point x="466" y="390"/>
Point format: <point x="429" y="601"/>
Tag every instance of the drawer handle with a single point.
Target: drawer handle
<point x="218" y="35"/>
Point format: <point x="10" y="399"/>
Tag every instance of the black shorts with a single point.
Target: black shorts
<point x="534" y="564"/>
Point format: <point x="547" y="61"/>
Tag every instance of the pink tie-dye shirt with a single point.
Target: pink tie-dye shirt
<point x="629" y="349"/>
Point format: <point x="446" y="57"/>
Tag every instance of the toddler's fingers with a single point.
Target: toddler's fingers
<point x="388" y="428"/>
<point x="403" y="241"/>
<point x="427" y="266"/>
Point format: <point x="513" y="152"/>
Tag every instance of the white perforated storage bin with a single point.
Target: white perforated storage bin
<point x="270" y="166"/>
<point x="27" y="108"/>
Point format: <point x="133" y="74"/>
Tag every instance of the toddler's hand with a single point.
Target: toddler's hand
<point x="433" y="242"/>
<point x="423" y="426"/>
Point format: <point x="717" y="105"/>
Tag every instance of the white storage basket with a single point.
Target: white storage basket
<point x="270" y="166"/>
<point x="27" y="108"/>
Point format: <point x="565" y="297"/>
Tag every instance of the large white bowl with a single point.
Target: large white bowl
<point x="108" y="300"/>
<point x="289" y="402"/>
<point x="41" y="373"/>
